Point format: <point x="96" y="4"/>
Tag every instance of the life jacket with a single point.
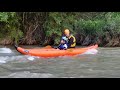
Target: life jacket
<point x="74" y="40"/>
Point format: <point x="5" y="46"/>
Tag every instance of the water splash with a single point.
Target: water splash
<point x="3" y="59"/>
<point x="91" y="51"/>
<point x="5" y="50"/>
<point x="30" y="58"/>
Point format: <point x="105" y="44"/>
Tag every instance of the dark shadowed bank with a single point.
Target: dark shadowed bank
<point x="43" y="28"/>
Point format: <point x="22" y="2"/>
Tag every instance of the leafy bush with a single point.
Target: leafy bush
<point x="39" y="26"/>
<point x="10" y="26"/>
<point x="57" y="22"/>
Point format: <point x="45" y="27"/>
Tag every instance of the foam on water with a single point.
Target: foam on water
<point x="27" y="74"/>
<point x="3" y="59"/>
<point x="91" y="51"/>
<point x="19" y="58"/>
<point x="5" y="50"/>
<point x="31" y="58"/>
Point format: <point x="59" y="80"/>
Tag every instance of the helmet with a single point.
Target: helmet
<point x="66" y="32"/>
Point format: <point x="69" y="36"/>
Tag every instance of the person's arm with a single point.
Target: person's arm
<point x="70" y="42"/>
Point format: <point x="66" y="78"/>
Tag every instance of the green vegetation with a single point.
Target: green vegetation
<point x="47" y="27"/>
<point x="10" y="26"/>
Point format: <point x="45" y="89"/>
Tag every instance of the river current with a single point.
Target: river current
<point x="100" y="63"/>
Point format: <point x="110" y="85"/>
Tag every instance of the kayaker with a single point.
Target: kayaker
<point x="71" y="39"/>
<point x="63" y="43"/>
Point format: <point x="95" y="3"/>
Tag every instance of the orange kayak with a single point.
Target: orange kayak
<point x="51" y="52"/>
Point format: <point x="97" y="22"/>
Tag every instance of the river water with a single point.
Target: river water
<point x="100" y="63"/>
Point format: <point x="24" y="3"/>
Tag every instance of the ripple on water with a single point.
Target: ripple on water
<point x="27" y="74"/>
<point x="106" y="63"/>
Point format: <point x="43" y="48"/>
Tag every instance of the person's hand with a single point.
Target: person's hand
<point x="62" y="42"/>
